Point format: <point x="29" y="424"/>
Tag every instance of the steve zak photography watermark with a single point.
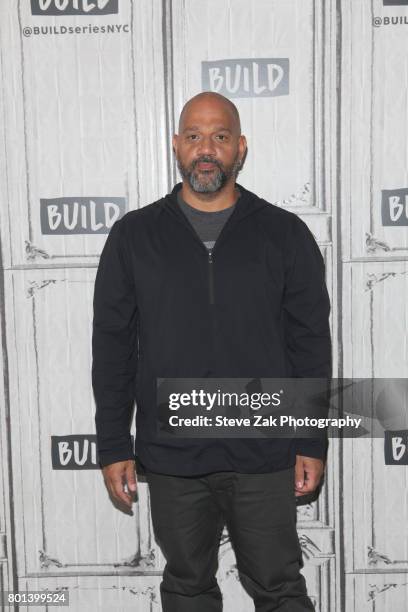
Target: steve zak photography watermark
<point x="280" y="408"/>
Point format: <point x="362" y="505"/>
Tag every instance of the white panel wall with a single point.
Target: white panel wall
<point x="90" y="115"/>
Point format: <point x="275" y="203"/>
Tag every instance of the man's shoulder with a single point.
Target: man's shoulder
<point x="281" y="218"/>
<point x="282" y="224"/>
<point x="277" y="212"/>
<point x="149" y="211"/>
<point x="270" y="210"/>
<point x="136" y="222"/>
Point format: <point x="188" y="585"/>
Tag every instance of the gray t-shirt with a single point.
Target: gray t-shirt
<point x="207" y="224"/>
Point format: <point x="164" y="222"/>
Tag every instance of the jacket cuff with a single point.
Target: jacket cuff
<point x="106" y="458"/>
<point x="311" y="447"/>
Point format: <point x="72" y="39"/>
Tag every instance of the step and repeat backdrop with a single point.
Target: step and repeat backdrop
<point x="91" y="94"/>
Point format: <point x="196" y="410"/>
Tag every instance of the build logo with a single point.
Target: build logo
<point x="396" y="447"/>
<point x="74" y="7"/>
<point x="394" y="207"/>
<point x="395" y="2"/>
<point x="76" y="452"/>
<point x="69" y="215"/>
<point x="247" y="78"/>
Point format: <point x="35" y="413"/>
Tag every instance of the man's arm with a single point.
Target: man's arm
<point x="114" y="350"/>
<point x="306" y="310"/>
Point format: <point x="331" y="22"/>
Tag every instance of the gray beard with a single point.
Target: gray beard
<point x="216" y="180"/>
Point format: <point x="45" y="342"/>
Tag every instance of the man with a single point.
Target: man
<point x="210" y="281"/>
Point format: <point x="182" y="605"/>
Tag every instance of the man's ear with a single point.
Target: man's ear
<point x="244" y="157"/>
<point x="244" y="152"/>
<point x="174" y="143"/>
<point x="243" y="148"/>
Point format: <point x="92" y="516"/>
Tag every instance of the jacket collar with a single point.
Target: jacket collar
<point x="247" y="203"/>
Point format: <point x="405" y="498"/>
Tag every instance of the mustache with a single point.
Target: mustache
<point x="206" y="159"/>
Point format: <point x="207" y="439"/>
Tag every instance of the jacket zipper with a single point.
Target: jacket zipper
<point x="209" y="256"/>
<point x="210" y="277"/>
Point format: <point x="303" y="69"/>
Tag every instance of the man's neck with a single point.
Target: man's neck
<point x="210" y="202"/>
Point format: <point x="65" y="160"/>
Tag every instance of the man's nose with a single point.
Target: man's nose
<point x="206" y="146"/>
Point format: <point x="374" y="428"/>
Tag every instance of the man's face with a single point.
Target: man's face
<point x="208" y="148"/>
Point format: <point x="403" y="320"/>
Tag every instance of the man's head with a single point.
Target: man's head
<point x="209" y="147"/>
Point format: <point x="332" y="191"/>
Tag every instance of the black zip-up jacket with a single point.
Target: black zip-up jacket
<point x="163" y="307"/>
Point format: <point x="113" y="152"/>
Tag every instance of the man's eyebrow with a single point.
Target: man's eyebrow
<point x="190" y="128"/>
<point x="218" y="128"/>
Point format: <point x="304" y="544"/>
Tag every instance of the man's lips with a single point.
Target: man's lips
<point x="206" y="166"/>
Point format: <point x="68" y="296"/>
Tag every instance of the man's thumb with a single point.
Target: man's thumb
<point x="299" y="475"/>
<point x="131" y="477"/>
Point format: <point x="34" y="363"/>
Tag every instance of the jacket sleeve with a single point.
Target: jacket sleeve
<point x="306" y="311"/>
<point x="114" y="350"/>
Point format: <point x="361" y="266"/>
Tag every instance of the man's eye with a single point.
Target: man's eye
<point x="221" y="137"/>
<point x="192" y="137"/>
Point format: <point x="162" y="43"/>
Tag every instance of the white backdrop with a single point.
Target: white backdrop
<point x="91" y="93"/>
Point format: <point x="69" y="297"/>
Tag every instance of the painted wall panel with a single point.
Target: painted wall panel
<point x="66" y="518"/>
<point x="286" y="132"/>
<point x="79" y="128"/>
<point x="87" y="117"/>
<point x="375" y="501"/>
<point x="374" y="128"/>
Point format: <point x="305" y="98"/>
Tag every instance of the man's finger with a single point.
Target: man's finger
<point x="119" y="476"/>
<point x="299" y="475"/>
<point x="116" y="488"/>
<point x="131" y="479"/>
<point x="310" y="484"/>
<point x="308" y="473"/>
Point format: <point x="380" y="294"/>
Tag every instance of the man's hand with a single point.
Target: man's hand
<point x="116" y="475"/>
<point x="308" y="473"/>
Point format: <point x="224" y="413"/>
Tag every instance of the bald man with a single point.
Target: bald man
<point x="210" y="281"/>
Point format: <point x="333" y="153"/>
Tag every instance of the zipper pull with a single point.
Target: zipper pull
<point x="210" y="277"/>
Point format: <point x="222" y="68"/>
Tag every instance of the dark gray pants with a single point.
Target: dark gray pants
<point x="188" y="515"/>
